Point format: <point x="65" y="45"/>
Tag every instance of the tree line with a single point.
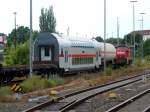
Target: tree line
<point x="128" y="40"/>
<point x="17" y="50"/>
<point x="47" y="23"/>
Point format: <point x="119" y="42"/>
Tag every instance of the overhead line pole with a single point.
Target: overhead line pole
<point x="15" y="31"/>
<point x="104" y="35"/>
<point x="30" y="57"/>
<point x="133" y="30"/>
<point x="140" y="24"/>
<point x="117" y="31"/>
<point x="142" y="35"/>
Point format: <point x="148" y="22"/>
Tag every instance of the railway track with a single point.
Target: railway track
<point x="137" y="103"/>
<point x="147" y="109"/>
<point x="71" y="100"/>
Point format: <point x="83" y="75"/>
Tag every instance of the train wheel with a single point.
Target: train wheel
<point x="1" y="80"/>
<point x="96" y="69"/>
<point x="61" y="72"/>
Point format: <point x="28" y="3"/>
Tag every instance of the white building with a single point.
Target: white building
<point x="144" y="33"/>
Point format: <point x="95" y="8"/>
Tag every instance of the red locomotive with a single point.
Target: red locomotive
<point x="123" y="55"/>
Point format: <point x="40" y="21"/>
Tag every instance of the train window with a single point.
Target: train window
<point x="73" y="61"/>
<point x="96" y="56"/>
<point x="99" y="53"/>
<point x="62" y="54"/>
<point x="47" y="51"/>
<point x="80" y="61"/>
<point x="66" y="56"/>
<point x="80" y="46"/>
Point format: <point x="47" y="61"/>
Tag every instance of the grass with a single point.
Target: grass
<point x="112" y="75"/>
<point x="37" y="83"/>
<point x="108" y="70"/>
<point x="4" y="91"/>
<point x="29" y="85"/>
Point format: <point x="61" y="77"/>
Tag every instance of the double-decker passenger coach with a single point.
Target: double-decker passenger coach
<point x="67" y="53"/>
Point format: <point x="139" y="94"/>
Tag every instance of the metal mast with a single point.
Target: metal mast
<point x="117" y="31"/>
<point x="142" y="36"/>
<point x="133" y="29"/>
<point x="15" y="30"/>
<point x="104" y="34"/>
<point x="30" y="38"/>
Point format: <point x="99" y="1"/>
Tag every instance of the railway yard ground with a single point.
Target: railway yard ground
<point x="99" y="103"/>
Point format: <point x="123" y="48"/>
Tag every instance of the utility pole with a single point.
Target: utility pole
<point x="142" y="20"/>
<point x="133" y="31"/>
<point x="117" y="31"/>
<point x="15" y="29"/>
<point x="104" y="35"/>
<point x="144" y="78"/>
<point x="140" y="24"/>
<point x="30" y="57"/>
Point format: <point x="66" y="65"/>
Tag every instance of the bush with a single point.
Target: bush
<point x="108" y="70"/>
<point x="37" y="83"/>
<point x="4" y="91"/>
<point x="147" y="58"/>
<point x="138" y="63"/>
<point x="56" y="81"/>
<point x="20" y="55"/>
<point x="141" y="64"/>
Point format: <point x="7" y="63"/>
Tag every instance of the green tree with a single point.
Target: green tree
<point x="112" y="41"/>
<point x="2" y="34"/>
<point x="22" y="35"/>
<point x="47" y="20"/>
<point x="129" y="39"/>
<point x="99" y="39"/>
<point x="146" y="47"/>
<point x="35" y="34"/>
<point x="20" y="55"/>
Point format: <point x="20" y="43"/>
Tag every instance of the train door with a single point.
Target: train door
<point x="97" y="59"/>
<point x="46" y="54"/>
<point x="66" y="60"/>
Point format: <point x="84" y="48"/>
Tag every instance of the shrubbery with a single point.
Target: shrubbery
<point x="108" y="70"/>
<point x="141" y="63"/>
<point x="20" y="55"/>
<point x="37" y="83"/>
<point x="4" y="91"/>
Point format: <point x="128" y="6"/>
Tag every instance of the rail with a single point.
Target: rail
<point x="85" y="94"/>
<point x="128" y="101"/>
<point x="147" y="109"/>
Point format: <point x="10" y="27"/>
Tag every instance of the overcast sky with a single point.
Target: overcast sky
<point x="83" y="17"/>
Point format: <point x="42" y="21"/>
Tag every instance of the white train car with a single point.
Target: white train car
<point x="110" y="52"/>
<point x="68" y="53"/>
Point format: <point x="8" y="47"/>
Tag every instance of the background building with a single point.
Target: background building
<point x="144" y="33"/>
